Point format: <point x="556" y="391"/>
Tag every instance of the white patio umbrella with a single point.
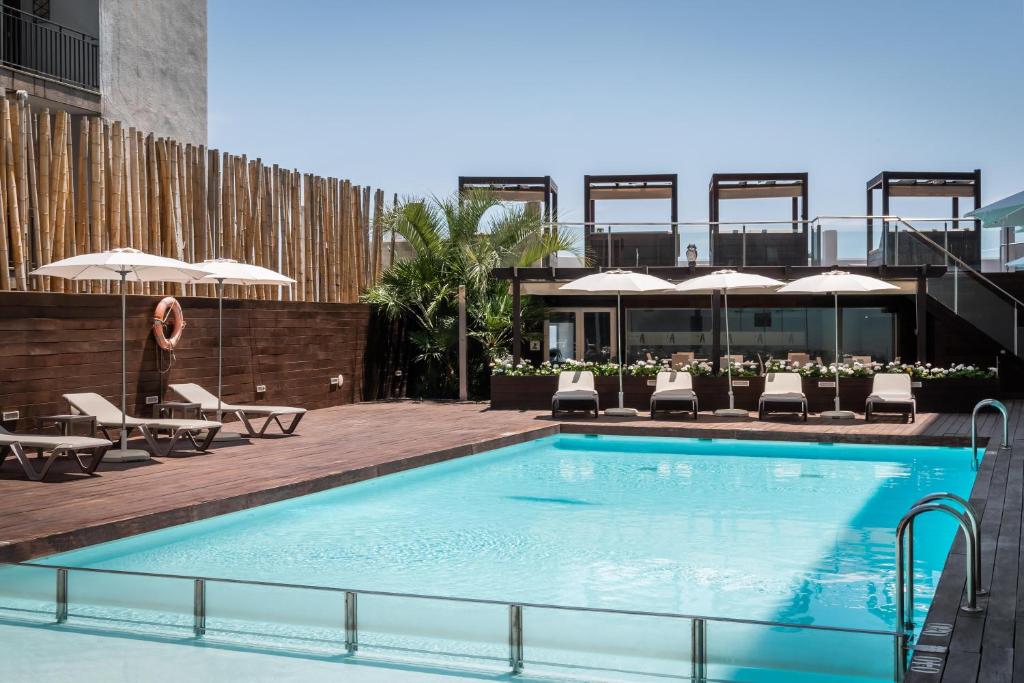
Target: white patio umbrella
<point x="1008" y="212"/>
<point x="724" y="280"/>
<point x="836" y="282"/>
<point x="618" y="281"/>
<point x="225" y="271"/>
<point x="124" y="265"/>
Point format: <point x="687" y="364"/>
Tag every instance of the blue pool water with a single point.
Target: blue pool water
<point x="798" y="533"/>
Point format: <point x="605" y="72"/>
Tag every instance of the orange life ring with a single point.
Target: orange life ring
<point x="168" y="310"/>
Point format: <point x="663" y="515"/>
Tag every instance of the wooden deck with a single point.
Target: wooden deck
<point x="346" y="444"/>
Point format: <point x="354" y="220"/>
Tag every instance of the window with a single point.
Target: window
<point x="586" y="334"/>
<point x="660" y="332"/>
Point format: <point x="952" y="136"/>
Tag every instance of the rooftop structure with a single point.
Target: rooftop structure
<point x="737" y="247"/>
<point x="630" y="247"/>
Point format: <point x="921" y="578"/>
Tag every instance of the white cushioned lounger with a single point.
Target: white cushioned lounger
<point x="56" y="446"/>
<point x="672" y="390"/>
<point x="783" y="389"/>
<point x="194" y="393"/>
<point x="575" y="392"/>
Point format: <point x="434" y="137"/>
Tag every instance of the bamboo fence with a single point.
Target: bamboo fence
<point x="73" y="185"/>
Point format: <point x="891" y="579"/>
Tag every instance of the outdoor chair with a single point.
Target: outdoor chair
<point x="108" y="416"/>
<point x="801" y="358"/>
<point x="734" y="358"/>
<point x="890" y="393"/>
<point x="575" y="392"/>
<point x="681" y="359"/>
<point x="193" y="393"/>
<point x="56" y="446"/>
<point x="783" y="393"/>
<point x="674" y="391"/>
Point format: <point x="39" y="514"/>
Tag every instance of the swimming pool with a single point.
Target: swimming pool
<point x="798" y="533"/>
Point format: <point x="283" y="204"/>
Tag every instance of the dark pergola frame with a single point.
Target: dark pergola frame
<point x="541" y="189"/>
<point x="726" y="186"/>
<point x="942" y="184"/>
<point x="630" y="186"/>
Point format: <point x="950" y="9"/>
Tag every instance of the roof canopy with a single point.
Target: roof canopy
<point x="758" y="185"/>
<point x="513" y="188"/>
<point x="927" y="183"/>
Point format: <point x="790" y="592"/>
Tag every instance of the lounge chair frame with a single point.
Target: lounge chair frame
<point x="907" y="407"/>
<point x="765" y="403"/>
<point x="669" y="403"/>
<point x="271" y="418"/>
<point x="150" y="434"/>
<point x="86" y="465"/>
<point x="589" y="402"/>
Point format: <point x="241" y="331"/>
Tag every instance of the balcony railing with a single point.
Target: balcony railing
<point x="40" y="46"/>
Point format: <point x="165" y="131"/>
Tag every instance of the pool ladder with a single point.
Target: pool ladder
<point x="998" y="405"/>
<point x="967" y="520"/>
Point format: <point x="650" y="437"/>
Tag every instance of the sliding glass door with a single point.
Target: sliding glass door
<point x="581" y="334"/>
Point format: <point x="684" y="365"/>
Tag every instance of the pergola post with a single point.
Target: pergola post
<point x="921" y="304"/>
<point x="517" y="334"/>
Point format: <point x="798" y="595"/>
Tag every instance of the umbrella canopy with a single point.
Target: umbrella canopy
<point x="835" y="282"/>
<point x="1016" y="263"/>
<point x="1006" y="213"/>
<point x="726" y="280"/>
<point x="231" y="272"/>
<point x="617" y="281"/>
<point x="130" y="264"/>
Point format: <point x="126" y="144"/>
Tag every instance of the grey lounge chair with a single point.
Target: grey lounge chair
<point x="575" y="392"/>
<point x="56" y="446"/>
<point x="673" y="391"/>
<point x="785" y="391"/>
<point x="194" y="393"/>
<point x="890" y="393"/>
<point x="108" y="416"/>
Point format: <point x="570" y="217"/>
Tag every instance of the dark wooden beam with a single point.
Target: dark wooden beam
<point x="921" y="306"/>
<point x="517" y="323"/>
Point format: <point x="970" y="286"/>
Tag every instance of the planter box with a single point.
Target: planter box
<point x="935" y="395"/>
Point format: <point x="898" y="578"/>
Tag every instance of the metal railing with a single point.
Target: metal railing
<point x="998" y="405"/>
<point x="38" y="45"/>
<point x="518" y="652"/>
<point x="968" y="523"/>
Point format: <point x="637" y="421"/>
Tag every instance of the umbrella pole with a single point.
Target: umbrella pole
<point x="124" y="368"/>
<point x="836" y="295"/>
<point x="728" y="351"/>
<point x="220" y="343"/>
<point x="618" y="324"/>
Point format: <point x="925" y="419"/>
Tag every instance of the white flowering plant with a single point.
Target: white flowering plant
<point x="929" y="371"/>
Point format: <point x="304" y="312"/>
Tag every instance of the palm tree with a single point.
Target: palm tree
<point x="454" y="245"/>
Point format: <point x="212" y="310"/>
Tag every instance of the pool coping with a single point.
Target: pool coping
<point x="48" y="544"/>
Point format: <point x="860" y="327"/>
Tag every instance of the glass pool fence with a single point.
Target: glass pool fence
<point x="591" y="643"/>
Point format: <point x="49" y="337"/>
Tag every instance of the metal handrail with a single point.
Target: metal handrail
<point x="905" y="590"/>
<point x="998" y="405"/>
<point x="972" y="519"/>
<point x="515" y="639"/>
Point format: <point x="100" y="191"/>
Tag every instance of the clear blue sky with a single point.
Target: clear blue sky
<point x="409" y="95"/>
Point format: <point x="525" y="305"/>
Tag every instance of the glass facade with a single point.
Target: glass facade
<point x="768" y="332"/>
<point x="579" y="335"/>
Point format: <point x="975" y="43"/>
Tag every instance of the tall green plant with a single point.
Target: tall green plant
<point x="454" y="245"/>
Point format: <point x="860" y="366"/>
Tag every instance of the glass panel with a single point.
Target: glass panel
<point x="751" y="652"/>
<point x="264" y="615"/>
<point x="761" y="245"/>
<point x="28" y="593"/>
<point x="660" y="332"/>
<point x="777" y="332"/>
<point x="127" y="601"/>
<point x="429" y="628"/>
<point x="597" y="336"/>
<point x="869" y="333"/>
<point x="963" y="293"/>
<point x="561" y="336"/>
<point x="607" y="645"/>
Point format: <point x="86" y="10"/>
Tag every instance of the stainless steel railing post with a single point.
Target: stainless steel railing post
<point x="972" y="519"/>
<point x="199" y="608"/>
<point x="699" y="651"/>
<point x="62" y="596"/>
<point x="900" y="651"/>
<point x="515" y="638"/>
<point x="351" y="622"/>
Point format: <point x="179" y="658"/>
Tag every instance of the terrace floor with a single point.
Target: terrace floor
<point x="342" y="445"/>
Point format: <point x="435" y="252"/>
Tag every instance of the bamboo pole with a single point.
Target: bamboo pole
<point x="34" y="236"/>
<point x="14" y="195"/>
<point x="41" y="195"/>
<point x="117" y="237"/>
<point x="97" y="218"/>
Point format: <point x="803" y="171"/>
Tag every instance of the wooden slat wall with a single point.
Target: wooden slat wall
<point x="75" y="186"/>
<point x="62" y="343"/>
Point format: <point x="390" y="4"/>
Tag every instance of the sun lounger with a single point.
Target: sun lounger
<point x="890" y="393"/>
<point x="784" y="391"/>
<point x="674" y="391"/>
<point x="194" y="393"/>
<point x="108" y="416"/>
<point x="575" y="392"/>
<point x="73" y="446"/>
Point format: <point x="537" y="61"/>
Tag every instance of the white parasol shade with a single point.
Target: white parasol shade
<point x="836" y="282"/>
<point x="226" y="271"/>
<point x="724" y="280"/>
<point x="618" y="281"/>
<point x="231" y="272"/>
<point x="125" y="265"/>
<point x="1008" y="212"/>
<point x="128" y="264"/>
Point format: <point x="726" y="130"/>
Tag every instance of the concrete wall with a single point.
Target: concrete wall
<point x="153" y="65"/>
